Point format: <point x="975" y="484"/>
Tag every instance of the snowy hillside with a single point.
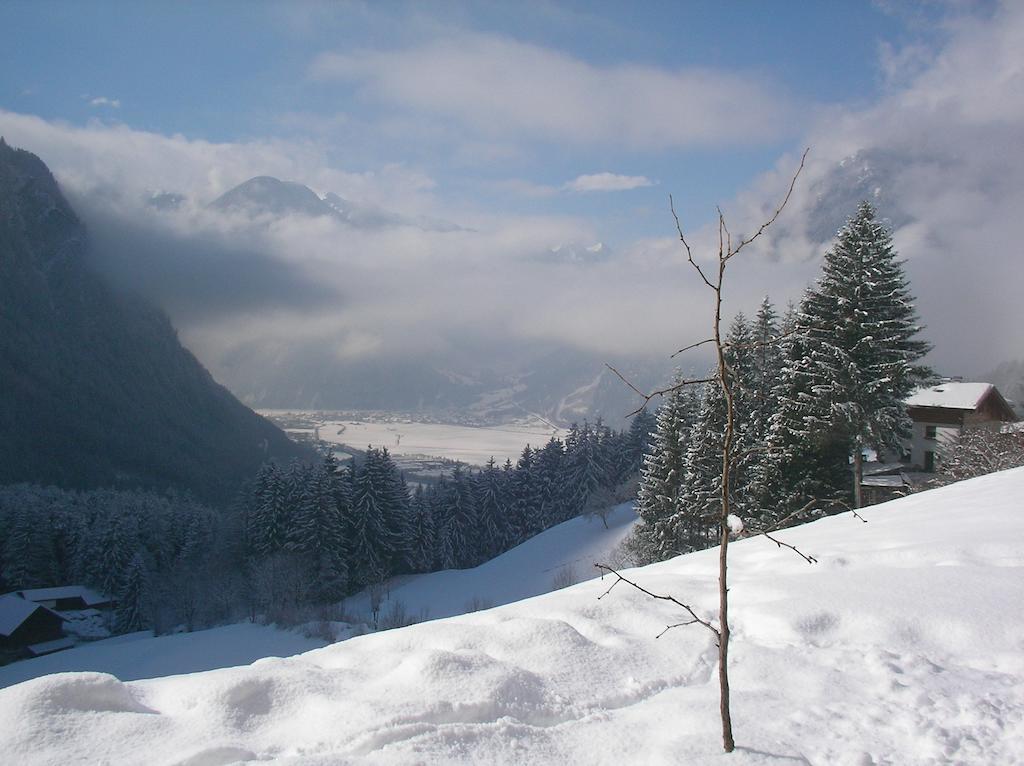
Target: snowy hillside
<point x="140" y="655"/>
<point x="562" y="555"/>
<point x="901" y="646"/>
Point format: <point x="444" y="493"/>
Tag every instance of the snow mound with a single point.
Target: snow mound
<point x="903" y="645"/>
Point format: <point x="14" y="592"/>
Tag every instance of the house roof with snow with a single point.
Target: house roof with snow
<point x="952" y="396"/>
<point x="88" y="595"/>
<point x="14" y="610"/>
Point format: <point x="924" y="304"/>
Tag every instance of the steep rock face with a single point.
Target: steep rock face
<point x="95" y="389"/>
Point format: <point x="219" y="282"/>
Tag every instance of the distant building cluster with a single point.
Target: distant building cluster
<point x="35" y="622"/>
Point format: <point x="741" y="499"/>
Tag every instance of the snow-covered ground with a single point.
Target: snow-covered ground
<point x="468" y="444"/>
<point x="904" y="644"/>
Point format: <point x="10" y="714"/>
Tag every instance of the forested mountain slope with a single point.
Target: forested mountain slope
<point x="95" y="388"/>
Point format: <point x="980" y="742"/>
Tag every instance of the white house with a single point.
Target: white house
<point x="939" y="413"/>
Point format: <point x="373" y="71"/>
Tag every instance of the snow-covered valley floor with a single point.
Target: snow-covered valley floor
<point x="903" y="645"/>
<point x="472" y="444"/>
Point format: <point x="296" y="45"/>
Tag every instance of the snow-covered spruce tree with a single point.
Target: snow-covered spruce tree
<point x="318" y="532"/>
<point x="586" y="468"/>
<point x="767" y="365"/>
<point x="800" y="463"/>
<point x="397" y="517"/>
<point x="549" y="475"/>
<point x="662" y="472"/>
<point x="700" y="493"/>
<point x="457" y="528"/>
<point x="268" y="521"/>
<point x="492" y="510"/>
<point x="119" y="545"/>
<point x="526" y="497"/>
<point x="632" y="445"/>
<point x="772" y="340"/>
<point x="27" y="550"/>
<point x="130" y="614"/>
<point x="422" y="546"/>
<point x="860" y="356"/>
<point x="372" y="544"/>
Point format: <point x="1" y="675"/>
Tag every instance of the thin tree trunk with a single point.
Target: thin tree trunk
<point x="723" y="644"/>
<point x="858" y="472"/>
<point x="723" y="551"/>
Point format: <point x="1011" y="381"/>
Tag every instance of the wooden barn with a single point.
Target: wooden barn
<point x="29" y="629"/>
<point x="67" y="598"/>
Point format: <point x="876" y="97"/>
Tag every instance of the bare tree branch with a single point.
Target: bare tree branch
<point x="628" y="383"/>
<point x="797" y="551"/>
<point x="692" y="346"/>
<point x="778" y="211"/>
<point x="660" y="392"/>
<point x="677" y="625"/>
<point x="682" y="238"/>
<point x="850" y="508"/>
<point x="695" y="618"/>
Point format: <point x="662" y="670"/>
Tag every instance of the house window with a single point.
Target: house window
<point x="929" y="460"/>
<point x="929" y="432"/>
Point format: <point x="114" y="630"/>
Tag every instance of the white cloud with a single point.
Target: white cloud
<point x="607" y="182"/>
<point x="500" y="86"/>
<point x="114" y="103"/>
<point x="945" y="145"/>
<point x="942" y="156"/>
<point x="101" y="156"/>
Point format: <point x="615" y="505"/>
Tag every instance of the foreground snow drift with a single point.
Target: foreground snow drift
<point x="902" y="646"/>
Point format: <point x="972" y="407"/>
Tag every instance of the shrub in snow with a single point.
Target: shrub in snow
<point x="478" y="604"/>
<point x="564" y="577"/>
<point x="981" y="450"/>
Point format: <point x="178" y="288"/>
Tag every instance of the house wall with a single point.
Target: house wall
<point x="945" y="433"/>
<point x="948" y="424"/>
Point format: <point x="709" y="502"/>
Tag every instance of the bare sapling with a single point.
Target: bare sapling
<point x="728" y="524"/>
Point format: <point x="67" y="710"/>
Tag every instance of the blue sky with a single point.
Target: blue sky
<point x="234" y="71"/>
<point x="533" y="125"/>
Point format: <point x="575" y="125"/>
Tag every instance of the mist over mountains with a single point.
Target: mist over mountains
<point x="220" y="268"/>
<point x="95" y="389"/>
<point x="480" y="383"/>
<point x="269" y="196"/>
<point x="234" y="263"/>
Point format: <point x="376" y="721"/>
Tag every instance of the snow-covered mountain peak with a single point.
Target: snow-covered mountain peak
<point x="269" y="195"/>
